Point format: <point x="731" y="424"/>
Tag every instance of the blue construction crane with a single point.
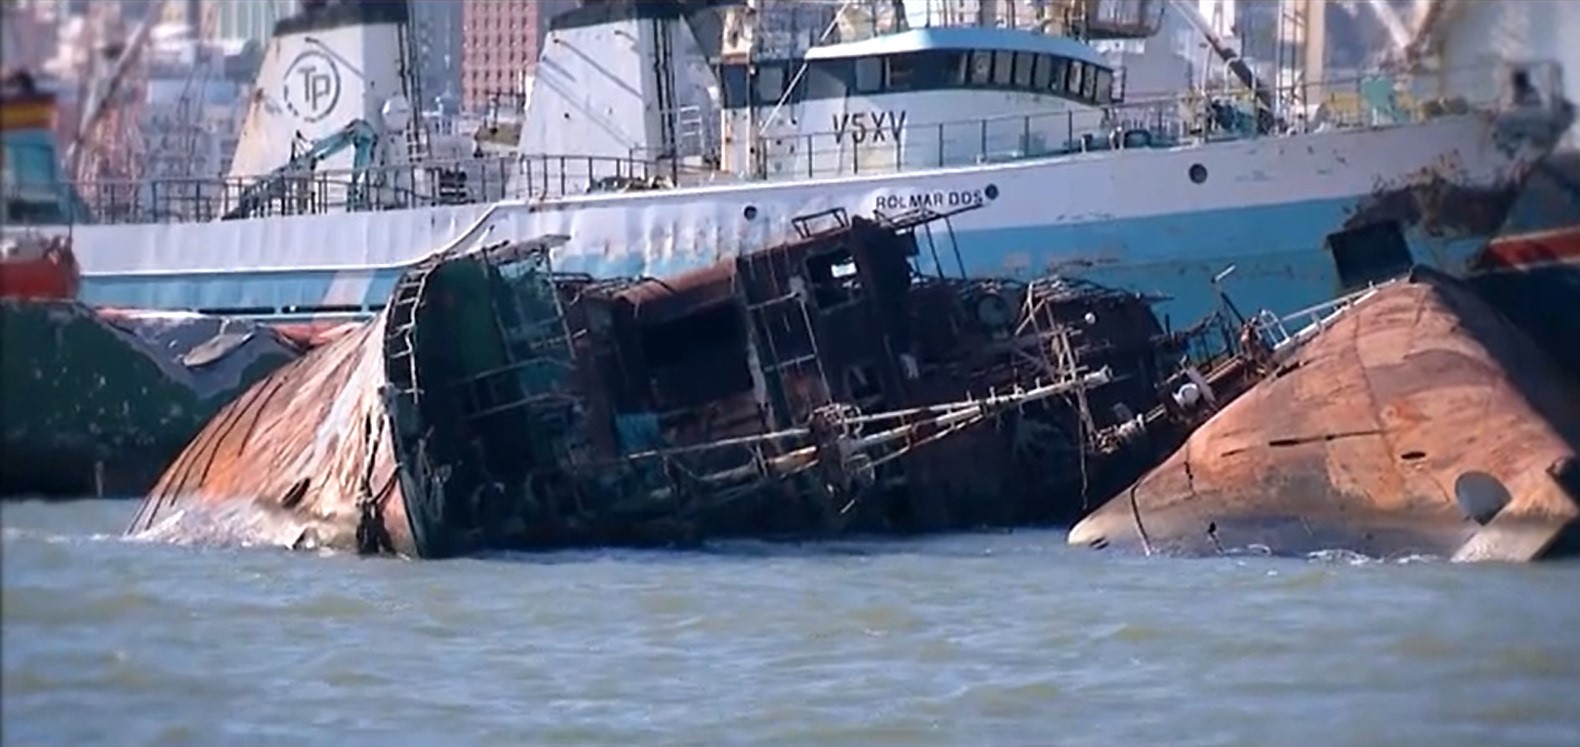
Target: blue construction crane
<point x="357" y="134"/>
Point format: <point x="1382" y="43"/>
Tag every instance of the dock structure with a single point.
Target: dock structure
<point x="817" y="387"/>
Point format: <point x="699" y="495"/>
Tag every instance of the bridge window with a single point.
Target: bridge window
<point x="770" y="84"/>
<point x="1042" y="72"/>
<point x="1023" y="65"/>
<point x="956" y="69"/>
<point x="826" y="79"/>
<point x="981" y="68"/>
<point x="869" y="75"/>
<point x="902" y="71"/>
<point x="918" y="71"/>
<point x="1003" y="67"/>
<point x="1105" y="87"/>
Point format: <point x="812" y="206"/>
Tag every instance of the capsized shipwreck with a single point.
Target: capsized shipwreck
<point x="1409" y="419"/>
<point x="817" y="387"/>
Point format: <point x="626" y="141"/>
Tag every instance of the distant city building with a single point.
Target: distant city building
<point x="29" y="36"/>
<point x="500" y="40"/>
<point x="437" y="35"/>
<point x="247" y="19"/>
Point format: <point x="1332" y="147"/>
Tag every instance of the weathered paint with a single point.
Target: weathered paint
<point x="291" y="459"/>
<point x="495" y="405"/>
<point x="1357" y="443"/>
<point x="1265" y="206"/>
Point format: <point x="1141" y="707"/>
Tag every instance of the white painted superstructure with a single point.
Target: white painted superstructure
<point x="1155" y="196"/>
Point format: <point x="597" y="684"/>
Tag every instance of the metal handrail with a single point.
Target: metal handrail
<point x="1347" y="103"/>
<point x="1275" y="329"/>
<point x="1350" y="103"/>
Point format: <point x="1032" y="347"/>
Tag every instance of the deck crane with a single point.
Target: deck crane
<point x="357" y="134"/>
<point x="1266" y="106"/>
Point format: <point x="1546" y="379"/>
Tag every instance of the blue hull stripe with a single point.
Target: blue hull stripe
<point x="1278" y="252"/>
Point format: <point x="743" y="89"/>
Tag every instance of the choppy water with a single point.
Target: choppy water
<point x="1000" y="639"/>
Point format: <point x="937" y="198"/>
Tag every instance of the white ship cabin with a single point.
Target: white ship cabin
<point x="922" y="98"/>
<point x="634" y="89"/>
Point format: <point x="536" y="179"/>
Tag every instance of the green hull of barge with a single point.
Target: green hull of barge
<point x="92" y="405"/>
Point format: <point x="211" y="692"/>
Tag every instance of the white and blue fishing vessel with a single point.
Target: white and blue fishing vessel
<point x="663" y="135"/>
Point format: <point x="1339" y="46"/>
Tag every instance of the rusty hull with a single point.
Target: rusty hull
<point x="495" y="404"/>
<point x="291" y="462"/>
<point x="1364" y="439"/>
<point x="763" y="342"/>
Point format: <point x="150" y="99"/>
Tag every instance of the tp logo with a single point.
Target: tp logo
<point x="312" y="86"/>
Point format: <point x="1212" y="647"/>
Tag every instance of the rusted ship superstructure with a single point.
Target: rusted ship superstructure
<point x="1413" y="420"/>
<point x="817" y="387"/>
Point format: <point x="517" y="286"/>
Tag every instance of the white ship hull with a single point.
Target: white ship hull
<point x="1150" y="220"/>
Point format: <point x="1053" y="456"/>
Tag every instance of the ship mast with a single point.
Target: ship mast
<point x="105" y="155"/>
<point x="1266" y="103"/>
<point x="1302" y="47"/>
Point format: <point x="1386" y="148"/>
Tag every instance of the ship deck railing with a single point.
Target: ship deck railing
<point x="1349" y="103"/>
<point x="1168" y="121"/>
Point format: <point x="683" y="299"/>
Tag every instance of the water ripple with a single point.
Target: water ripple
<point x="993" y="639"/>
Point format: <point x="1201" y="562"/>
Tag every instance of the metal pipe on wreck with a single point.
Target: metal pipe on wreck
<point x="962" y="411"/>
<point x="957" y="413"/>
<point x="1096" y="378"/>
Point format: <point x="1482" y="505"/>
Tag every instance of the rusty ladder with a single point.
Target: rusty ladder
<point x="775" y="365"/>
<point x="400" y="325"/>
<point x="526" y="343"/>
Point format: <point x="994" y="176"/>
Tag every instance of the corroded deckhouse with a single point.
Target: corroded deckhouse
<point x="815" y="388"/>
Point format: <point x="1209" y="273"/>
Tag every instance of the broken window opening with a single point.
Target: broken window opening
<point x="697" y="357"/>
<point x="863" y="384"/>
<point x="834" y="279"/>
<point x="1369" y="254"/>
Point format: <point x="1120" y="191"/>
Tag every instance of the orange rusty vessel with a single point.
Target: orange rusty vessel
<point x="1419" y="422"/>
<point x="307" y="449"/>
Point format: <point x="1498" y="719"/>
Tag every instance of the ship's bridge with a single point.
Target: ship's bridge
<point x="914" y="99"/>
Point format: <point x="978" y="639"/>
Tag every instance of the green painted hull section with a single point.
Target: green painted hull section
<point x="93" y="406"/>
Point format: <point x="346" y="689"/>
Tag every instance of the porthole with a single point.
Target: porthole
<point x="1198" y="173"/>
<point x="750" y="212"/>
